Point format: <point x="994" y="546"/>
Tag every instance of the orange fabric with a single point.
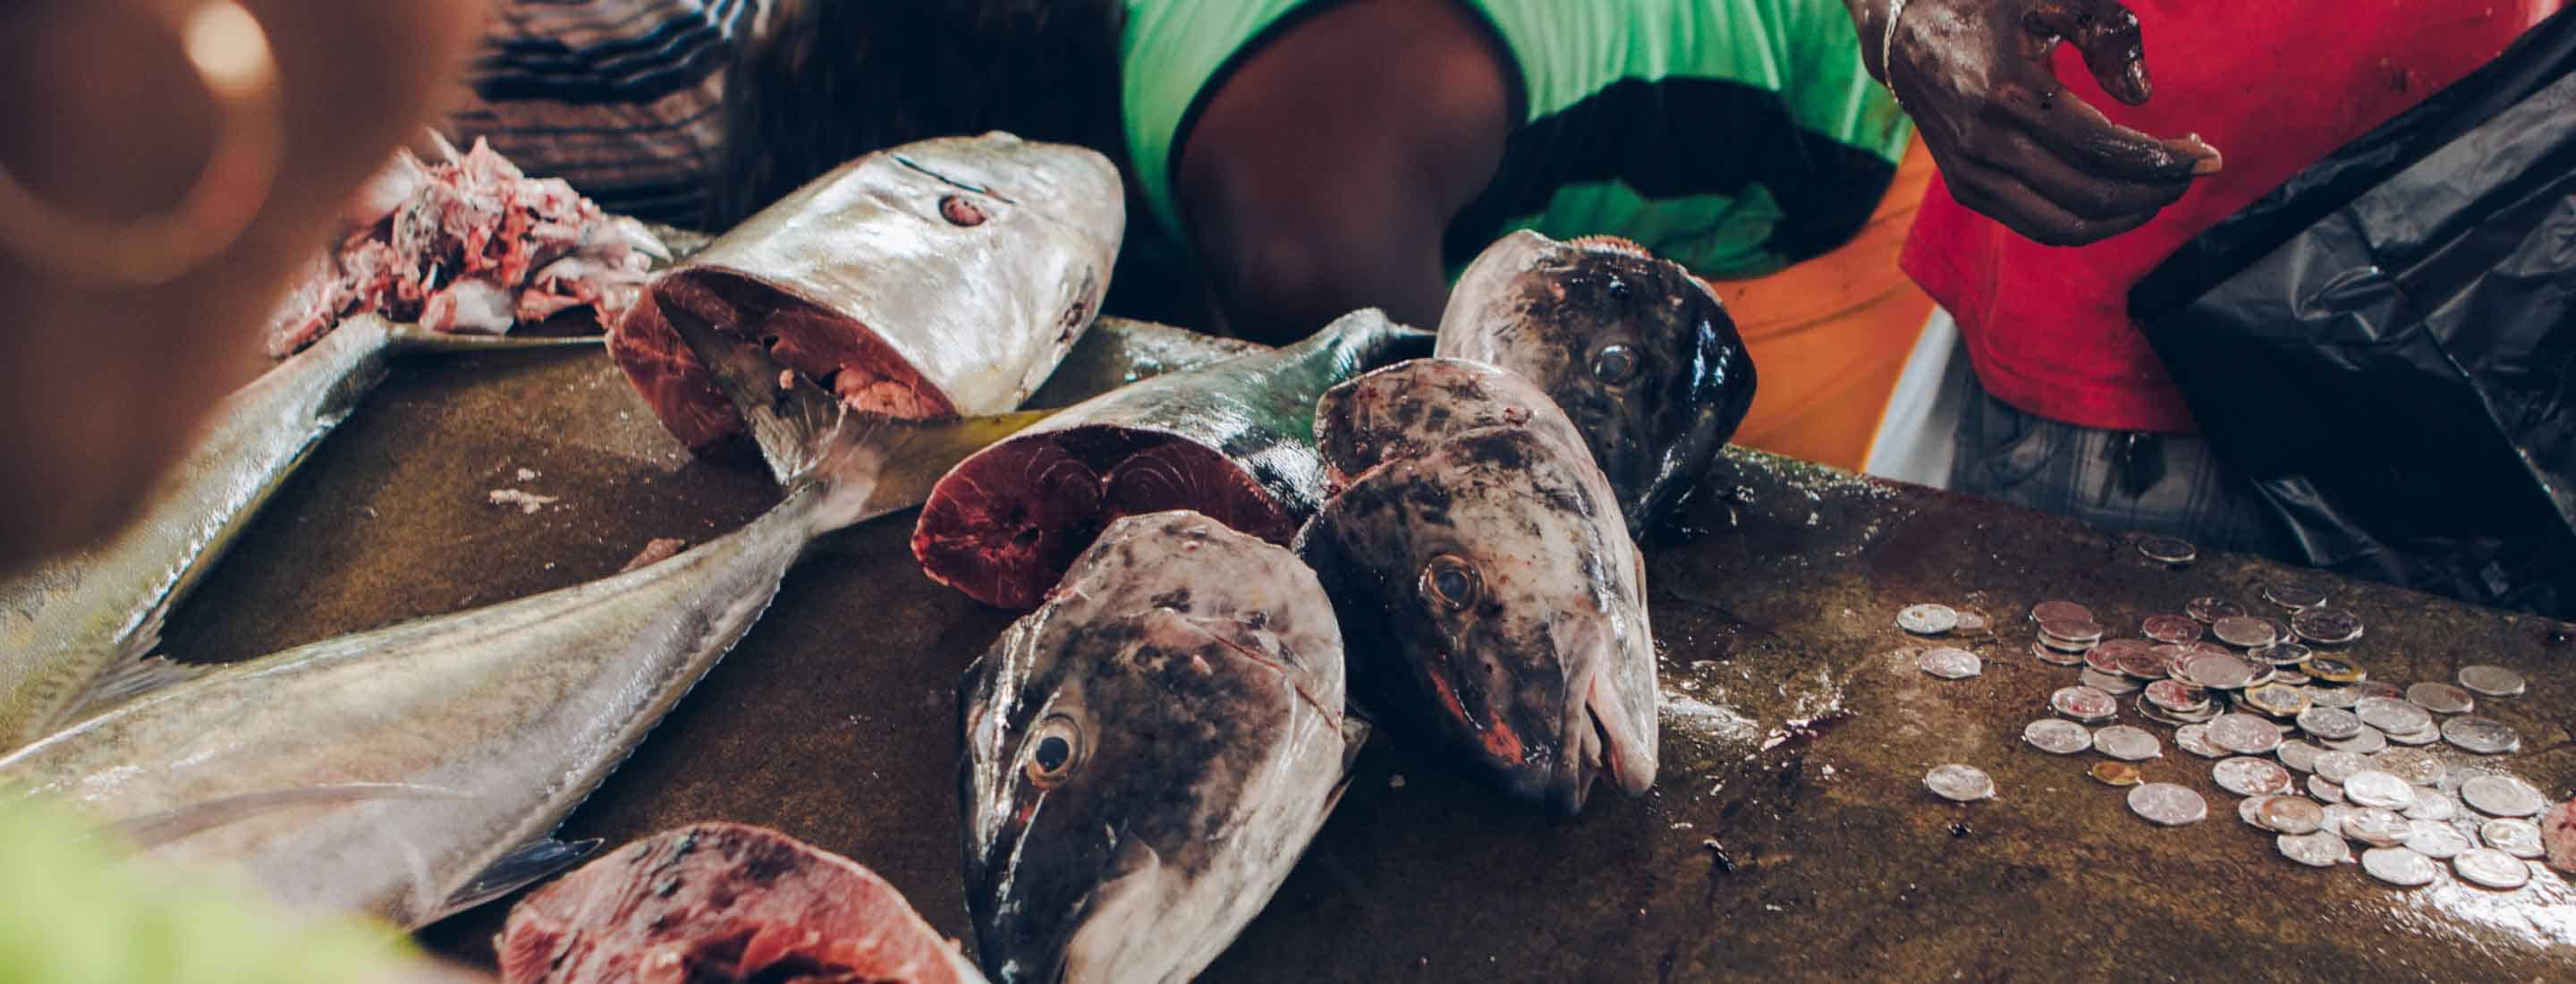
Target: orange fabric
<point x="1830" y="336"/>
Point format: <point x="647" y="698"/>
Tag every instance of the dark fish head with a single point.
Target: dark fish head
<point x="1638" y="352"/>
<point x="1495" y="604"/>
<point x="1148" y="753"/>
<point x="1408" y="408"/>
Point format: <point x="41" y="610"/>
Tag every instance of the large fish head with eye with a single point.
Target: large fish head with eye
<point x="1148" y="753"/>
<point x="1496" y="605"/>
<point x="1640" y="354"/>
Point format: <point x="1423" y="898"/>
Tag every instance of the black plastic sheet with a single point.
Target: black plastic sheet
<point x="2384" y="343"/>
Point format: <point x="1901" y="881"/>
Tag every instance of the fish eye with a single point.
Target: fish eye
<point x="960" y="211"/>
<point x="1054" y="749"/>
<point x="1451" y="581"/>
<point x="1614" y="363"/>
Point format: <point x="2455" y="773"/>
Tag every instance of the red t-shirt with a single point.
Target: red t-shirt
<point x="2275" y="85"/>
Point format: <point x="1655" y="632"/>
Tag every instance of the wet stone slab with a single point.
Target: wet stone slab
<point x="1790" y="836"/>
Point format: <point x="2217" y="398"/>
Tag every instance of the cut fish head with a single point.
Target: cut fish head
<point x="1148" y="753"/>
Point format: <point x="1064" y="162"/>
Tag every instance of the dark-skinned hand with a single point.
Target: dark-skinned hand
<point x="2011" y="142"/>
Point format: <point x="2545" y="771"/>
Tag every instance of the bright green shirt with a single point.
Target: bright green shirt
<point x="1734" y="136"/>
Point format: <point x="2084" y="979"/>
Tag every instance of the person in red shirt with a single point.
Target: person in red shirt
<point x="2031" y="241"/>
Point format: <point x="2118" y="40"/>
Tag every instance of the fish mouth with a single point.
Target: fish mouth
<point x="1600" y="743"/>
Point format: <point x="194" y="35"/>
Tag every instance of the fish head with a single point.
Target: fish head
<point x="1495" y="605"/>
<point x="1148" y="753"/>
<point x="1406" y="409"/>
<point x="1027" y="178"/>
<point x="1640" y="353"/>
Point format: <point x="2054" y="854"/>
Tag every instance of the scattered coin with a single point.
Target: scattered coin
<point x="2215" y="672"/>
<point x="1972" y="620"/>
<point x="2324" y="791"/>
<point x="2245" y="776"/>
<point x="2316" y="849"/>
<point x="2290" y="814"/>
<point x="2113" y="684"/>
<point x="2102" y="659"/>
<point x="2174" y="695"/>
<point x="2484" y="736"/>
<point x="2294" y="596"/>
<point x="2332" y="670"/>
<point x="2049" y="611"/>
<point x="2115" y="650"/>
<point x="2493" y="681"/>
<point x="2144" y="665"/>
<point x="2298" y="755"/>
<point x="2491" y="868"/>
<point x="2387" y="714"/>
<point x="2365" y="689"/>
<point x="2277" y="700"/>
<point x="1927" y="619"/>
<point x="2115" y="773"/>
<point x="2336" y="766"/>
<point x="2433" y="805"/>
<point x="2326" y="626"/>
<point x="2520" y="838"/>
<point x="2060" y="657"/>
<point x="2438" y="841"/>
<point x="1950" y="663"/>
<point x="1959" y="783"/>
<point x="2419" y="768"/>
<point x="2282" y="653"/>
<point x="2441" y="698"/>
<point x="2368" y="742"/>
<point x="2194" y="738"/>
<point x="2128" y="743"/>
<point x="2399" y="866"/>
<point x="2244" y="632"/>
<point x="2329" y="723"/>
<point x="2057" y="736"/>
<point x="2289" y="676"/>
<point x="2323" y="696"/>
<point x="2371" y="787"/>
<point x="2377" y="827"/>
<point x="2168" y="550"/>
<point x="2072" y="631"/>
<point x="2086" y="705"/>
<point x="2170" y="628"/>
<point x="2424" y="736"/>
<point x="2502" y="796"/>
<point x="2168" y="805"/>
<point x="2206" y="610"/>
<point x="2244" y="734"/>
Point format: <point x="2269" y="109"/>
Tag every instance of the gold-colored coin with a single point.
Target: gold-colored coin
<point x="2116" y="773"/>
<point x="2277" y="700"/>
<point x="2332" y="670"/>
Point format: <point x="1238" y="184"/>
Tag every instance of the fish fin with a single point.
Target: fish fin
<point x="1355" y="733"/>
<point x="408" y="336"/>
<point x="518" y="869"/>
<point x="155" y="829"/>
<point x="132" y="676"/>
<point x="909" y="457"/>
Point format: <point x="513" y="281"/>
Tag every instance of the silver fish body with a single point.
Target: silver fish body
<point x="1149" y="753"/>
<point x="1495" y="602"/>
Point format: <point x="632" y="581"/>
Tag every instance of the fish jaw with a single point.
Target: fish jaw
<point x="1605" y="740"/>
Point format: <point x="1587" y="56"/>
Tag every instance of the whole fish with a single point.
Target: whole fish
<point x="75" y="631"/>
<point x="1148" y="754"/>
<point x="1233" y="440"/>
<point x="416" y="769"/>
<point x="1637" y="351"/>
<point x="1495" y="604"/>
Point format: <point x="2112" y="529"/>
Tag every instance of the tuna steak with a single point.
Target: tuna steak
<point x="989" y="230"/>
<point x="1636" y="350"/>
<point x="1495" y="603"/>
<point x="1234" y="441"/>
<point x="721" y="903"/>
<point x="1149" y="753"/>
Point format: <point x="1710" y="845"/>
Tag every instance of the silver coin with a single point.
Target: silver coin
<point x="2069" y="633"/>
<point x="2502" y="796"/>
<point x="2166" y="804"/>
<point x="2244" y="632"/>
<point x="2101" y="658"/>
<point x="2326" y="626"/>
<point x="2368" y="742"/>
<point x="2389" y="715"/>
<point x="2084" y="704"/>
<point x="2250" y="810"/>
<point x="2399" y="866"/>
<point x="2290" y="677"/>
<point x="2377" y="827"/>
<point x="2289" y="814"/>
<point x="2329" y="723"/>
<point x="2215" y="672"/>
<point x="2294" y="595"/>
<point x="2194" y="738"/>
<point x="2057" y="736"/>
<point x="2246" y="776"/>
<point x="2371" y="787"/>
<point x="2439" y="841"/>
<point x="2168" y="550"/>
<point x="1951" y="664"/>
<point x="2337" y="814"/>
<point x="2484" y="736"/>
<point x="2128" y="743"/>
<point x="2049" y="611"/>
<point x="2441" y="698"/>
<point x="1959" y="783"/>
<point x="2493" y="681"/>
<point x="2520" y="838"/>
<point x="2298" y="755"/>
<point x="2206" y="610"/>
<point x="2170" y="628"/>
<point x="2491" y="868"/>
<point x="2175" y="695"/>
<point x="2365" y="689"/>
<point x="2433" y="805"/>
<point x="2282" y="653"/>
<point x="1927" y="619"/>
<point x="2109" y="683"/>
<point x="2337" y="766"/>
<point x="2323" y="696"/>
<point x="2052" y="654"/>
<point x="2316" y="849"/>
<point x="2419" y="768"/>
<point x="2324" y="790"/>
<point x="2426" y="736"/>
<point x="1971" y="620"/>
<point x="2244" y="734"/>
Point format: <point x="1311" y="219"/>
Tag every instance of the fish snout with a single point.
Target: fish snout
<point x="1603" y="739"/>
